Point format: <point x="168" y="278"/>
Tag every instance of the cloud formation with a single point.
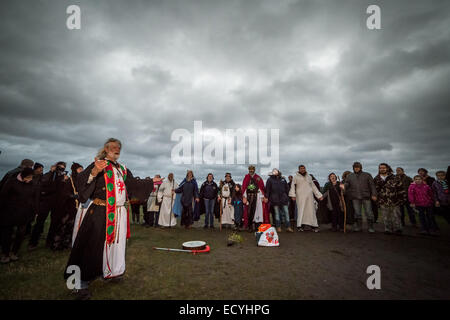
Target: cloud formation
<point x="138" y="70"/>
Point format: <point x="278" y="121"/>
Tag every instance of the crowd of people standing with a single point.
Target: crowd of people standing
<point x="28" y="197"/>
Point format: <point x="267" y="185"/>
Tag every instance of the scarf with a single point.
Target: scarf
<point x="111" y="199"/>
<point x="444" y="185"/>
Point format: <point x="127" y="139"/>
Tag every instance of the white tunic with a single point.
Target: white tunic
<point x="304" y="189"/>
<point x="227" y="208"/>
<point x="114" y="254"/>
<point x="166" y="216"/>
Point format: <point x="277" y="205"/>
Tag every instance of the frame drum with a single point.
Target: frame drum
<point x="194" y="245"/>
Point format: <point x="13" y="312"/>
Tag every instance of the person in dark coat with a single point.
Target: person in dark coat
<point x="38" y="169"/>
<point x="238" y="206"/>
<point x="208" y="192"/>
<point x="189" y="192"/>
<point x="406" y="182"/>
<point x="277" y="193"/>
<point x="360" y="187"/>
<point x="442" y="195"/>
<point x="25" y="163"/>
<point x="19" y="199"/>
<point x="350" y="217"/>
<point x="66" y="209"/>
<point x="47" y="204"/>
<point x="332" y="191"/>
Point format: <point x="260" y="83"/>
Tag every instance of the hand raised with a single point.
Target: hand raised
<point x="99" y="166"/>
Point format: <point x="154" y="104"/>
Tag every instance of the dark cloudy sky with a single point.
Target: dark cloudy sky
<point x="137" y="70"/>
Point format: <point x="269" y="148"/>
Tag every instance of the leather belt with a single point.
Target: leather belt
<point x="101" y="202"/>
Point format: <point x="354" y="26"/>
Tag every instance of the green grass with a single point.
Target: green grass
<point x="305" y="266"/>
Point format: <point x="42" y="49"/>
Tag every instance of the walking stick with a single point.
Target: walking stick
<point x="345" y="212"/>
<point x="220" y="219"/>
<point x="171" y="202"/>
<point x="341" y="196"/>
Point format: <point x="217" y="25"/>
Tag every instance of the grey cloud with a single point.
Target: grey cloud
<point x="137" y="70"/>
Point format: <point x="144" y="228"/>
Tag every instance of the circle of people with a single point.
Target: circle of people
<point x="27" y="195"/>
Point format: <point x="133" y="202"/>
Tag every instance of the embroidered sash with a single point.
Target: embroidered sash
<point x="111" y="209"/>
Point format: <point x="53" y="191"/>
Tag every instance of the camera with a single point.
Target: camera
<point x="60" y="171"/>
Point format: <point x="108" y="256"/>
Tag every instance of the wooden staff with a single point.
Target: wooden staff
<point x="171" y="203"/>
<point x="220" y="219"/>
<point x="341" y="197"/>
<point x="74" y="192"/>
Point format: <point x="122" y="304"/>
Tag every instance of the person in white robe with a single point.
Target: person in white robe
<point x="166" y="195"/>
<point x="303" y="191"/>
<point x="226" y="190"/>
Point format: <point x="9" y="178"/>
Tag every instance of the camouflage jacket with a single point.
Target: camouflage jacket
<point x="391" y="191"/>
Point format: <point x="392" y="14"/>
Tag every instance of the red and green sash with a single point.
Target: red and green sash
<point x="111" y="209"/>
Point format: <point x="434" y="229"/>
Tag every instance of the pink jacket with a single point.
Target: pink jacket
<point x="420" y="195"/>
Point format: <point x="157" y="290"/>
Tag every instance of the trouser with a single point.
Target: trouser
<point x="7" y="233"/>
<point x="292" y="206"/>
<point x="426" y="218"/>
<point x="209" y="215"/>
<point x="374" y="210"/>
<point x="186" y="216"/>
<point x="284" y="216"/>
<point x="152" y="218"/>
<point x="251" y="208"/>
<point x="238" y="212"/>
<point x="410" y="211"/>
<point x="136" y="214"/>
<point x="147" y="218"/>
<point x="44" y="208"/>
<point x="445" y="212"/>
<point x="391" y="218"/>
<point x="337" y="218"/>
<point x="358" y="204"/>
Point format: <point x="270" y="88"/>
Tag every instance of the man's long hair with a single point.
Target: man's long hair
<point x="102" y="152"/>
<point x="388" y="167"/>
<point x="187" y="174"/>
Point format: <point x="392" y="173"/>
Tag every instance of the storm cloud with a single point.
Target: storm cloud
<point x="137" y="70"/>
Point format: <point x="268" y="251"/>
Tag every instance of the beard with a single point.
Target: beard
<point x="113" y="156"/>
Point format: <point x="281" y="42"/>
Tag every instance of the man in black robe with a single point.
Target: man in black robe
<point x="99" y="247"/>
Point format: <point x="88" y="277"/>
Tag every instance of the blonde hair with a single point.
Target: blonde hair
<point x="102" y="152"/>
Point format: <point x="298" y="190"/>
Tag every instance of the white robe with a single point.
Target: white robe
<point x="166" y="216"/>
<point x="304" y="189"/>
<point x="227" y="209"/>
<point x="114" y="254"/>
<point x="78" y="220"/>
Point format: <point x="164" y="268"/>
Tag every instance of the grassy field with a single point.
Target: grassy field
<point x="307" y="265"/>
